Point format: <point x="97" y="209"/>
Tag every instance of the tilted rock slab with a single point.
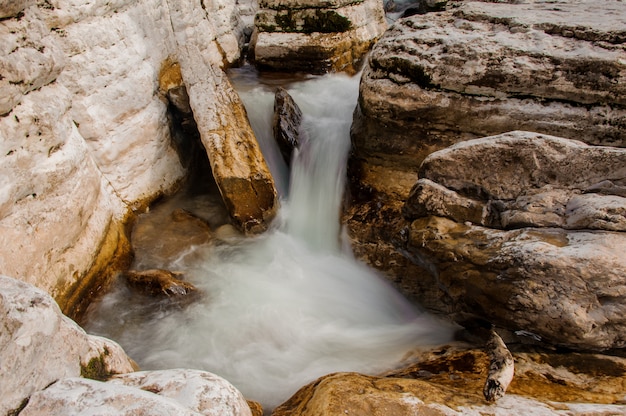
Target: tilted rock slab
<point x="239" y="168"/>
<point x="483" y="68"/>
<point x="315" y="36"/>
<point x="562" y="277"/>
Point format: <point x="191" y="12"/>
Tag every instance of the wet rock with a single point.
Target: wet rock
<point x="159" y="282"/>
<point x="39" y="345"/>
<point x="237" y="163"/>
<point x="449" y="382"/>
<point x="315" y="36"/>
<point x="286" y="123"/>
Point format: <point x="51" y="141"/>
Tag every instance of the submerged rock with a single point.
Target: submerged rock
<point x="159" y="282"/>
<point x="315" y="36"/>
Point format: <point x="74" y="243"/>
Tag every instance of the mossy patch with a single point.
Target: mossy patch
<point x="322" y="21"/>
<point x="96" y="368"/>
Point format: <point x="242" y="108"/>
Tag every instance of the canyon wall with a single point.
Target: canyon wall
<point x="84" y="128"/>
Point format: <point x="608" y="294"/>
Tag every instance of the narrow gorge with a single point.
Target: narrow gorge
<point x="443" y="235"/>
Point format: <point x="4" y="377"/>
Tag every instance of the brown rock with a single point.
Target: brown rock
<point x="449" y="381"/>
<point x="159" y="282"/>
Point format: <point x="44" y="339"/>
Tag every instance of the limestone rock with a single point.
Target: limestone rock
<point x="566" y="278"/>
<point x="200" y="391"/>
<point x="166" y="392"/>
<point x="484" y="68"/>
<point x="315" y="36"/>
<point x="39" y="345"/>
<point x="75" y="396"/>
<point x="286" y="123"/>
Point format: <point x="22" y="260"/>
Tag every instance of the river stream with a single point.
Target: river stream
<point x="283" y="308"/>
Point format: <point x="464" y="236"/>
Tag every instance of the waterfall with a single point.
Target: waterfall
<point x="286" y="307"/>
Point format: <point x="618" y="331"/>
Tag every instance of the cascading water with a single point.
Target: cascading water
<point x="289" y="306"/>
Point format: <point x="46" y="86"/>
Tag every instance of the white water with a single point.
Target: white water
<point x="289" y="306"/>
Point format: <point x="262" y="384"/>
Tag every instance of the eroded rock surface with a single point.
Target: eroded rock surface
<point x="558" y="272"/>
<point x="483" y="68"/>
<point x="315" y="36"/>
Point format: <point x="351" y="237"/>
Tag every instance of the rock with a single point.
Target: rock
<point x="200" y="391"/>
<point x="156" y="238"/>
<point x="484" y="68"/>
<point x="315" y="36"/>
<point x="533" y="180"/>
<point x="481" y="69"/>
<point x="449" y="381"/>
<point x="39" y="345"/>
<point x="286" y="123"/>
<point x="170" y="392"/>
<point x="159" y="282"/>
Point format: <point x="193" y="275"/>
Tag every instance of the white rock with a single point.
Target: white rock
<point x="79" y="396"/>
<point x="39" y="345"/>
<point x="197" y="390"/>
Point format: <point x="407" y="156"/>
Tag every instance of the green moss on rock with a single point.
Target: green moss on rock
<point x="96" y="368"/>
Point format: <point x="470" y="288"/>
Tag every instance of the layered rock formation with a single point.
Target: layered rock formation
<point x="532" y="242"/>
<point x="85" y="131"/>
<point x="315" y="36"/>
<point x="484" y="68"/>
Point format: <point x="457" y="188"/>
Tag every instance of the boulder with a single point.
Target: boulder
<point x="518" y="246"/>
<point x="480" y="69"/>
<point x="449" y="381"/>
<point x="286" y="123"/>
<point x="39" y="345"/>
<point x="167" y="392"/>
<point x="315" y="36"/>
